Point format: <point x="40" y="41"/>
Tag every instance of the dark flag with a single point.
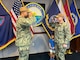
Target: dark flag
<point x="53" y="10"/>
<point x="6" y="30"/>
<point x="76" y="19"/>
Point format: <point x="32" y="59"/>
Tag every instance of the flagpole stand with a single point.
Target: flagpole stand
<point x="68" y="51"/>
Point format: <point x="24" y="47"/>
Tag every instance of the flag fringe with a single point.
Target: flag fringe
<point x="4" y="46"/>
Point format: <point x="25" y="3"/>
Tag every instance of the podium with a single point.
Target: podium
<point x="75" y="44"/>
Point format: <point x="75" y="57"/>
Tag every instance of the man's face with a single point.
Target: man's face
<point x="60" y="19"/>
<point x="25" y="14"/>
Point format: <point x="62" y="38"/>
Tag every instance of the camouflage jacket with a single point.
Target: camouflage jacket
<point x="23" y="35"/>
<point x="62" y="32"/>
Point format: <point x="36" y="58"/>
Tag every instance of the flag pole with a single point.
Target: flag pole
<point x="0" y="1"/>
<point x="22" y="2"/>
<point x="57" y="1"/>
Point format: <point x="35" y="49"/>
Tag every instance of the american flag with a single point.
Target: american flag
<point x="14" y="13"/>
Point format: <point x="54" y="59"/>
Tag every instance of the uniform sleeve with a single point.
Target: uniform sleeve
<point x="67" y="33"/>
<point x="22" y="23"/>
<point x="32" y="20"/>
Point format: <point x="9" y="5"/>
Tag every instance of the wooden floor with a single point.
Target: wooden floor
<point x="45" y="56"/>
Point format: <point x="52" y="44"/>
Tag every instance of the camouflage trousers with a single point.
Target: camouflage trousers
<point x="23" y="53"/>
<point x="60" y="51"/>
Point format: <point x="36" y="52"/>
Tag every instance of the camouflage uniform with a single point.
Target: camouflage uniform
<point x="62" y="35"/>
<point x="23" y="38"/>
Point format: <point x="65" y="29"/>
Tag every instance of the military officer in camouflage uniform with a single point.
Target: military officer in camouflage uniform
<point x="23" y="38"/>
<point x="62" y="36"/>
